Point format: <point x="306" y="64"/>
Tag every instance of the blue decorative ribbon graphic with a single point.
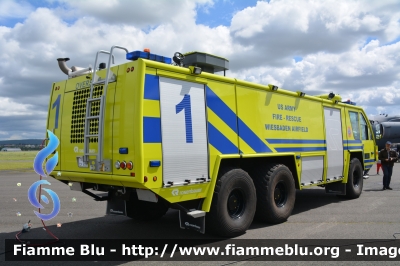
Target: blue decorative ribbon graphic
<point x="42" y="155"/>
<point x="32" y="198"/>
<point x="38" y="167"/>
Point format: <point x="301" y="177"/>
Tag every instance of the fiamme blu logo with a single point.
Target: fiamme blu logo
<point x="43" y="169"/>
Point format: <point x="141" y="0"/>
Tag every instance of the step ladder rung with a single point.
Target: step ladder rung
<point x="94" y="99"/>
<point x="91" y="136"/>
<point x="99" y="82"/>
<point x="92" y="117"/>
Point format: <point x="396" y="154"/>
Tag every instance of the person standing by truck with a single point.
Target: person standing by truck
<point x="387" y="157"/>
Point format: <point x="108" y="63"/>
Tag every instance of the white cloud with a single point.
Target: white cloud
<point x="10" y="108"/>
<point x="138" y="13"/>
<point x="14" y="9"/>
<point x="15" y="137"/>
<point x="280" y="30"/>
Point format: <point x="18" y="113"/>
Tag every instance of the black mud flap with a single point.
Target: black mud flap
<point x="116" y="206"/>
<point x="337" y="188"/>
<point x="188" y="222"/>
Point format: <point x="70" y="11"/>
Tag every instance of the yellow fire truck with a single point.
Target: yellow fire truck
<point x="158" y="133"/>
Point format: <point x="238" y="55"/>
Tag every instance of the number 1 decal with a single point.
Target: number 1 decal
<point x="57" y="105"/>
<point x="185" y="104"/>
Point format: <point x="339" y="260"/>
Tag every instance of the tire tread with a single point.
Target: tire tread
<point x="217" y="221"/>
<point x="263" y="177"/>
<point x="351" y="192"/>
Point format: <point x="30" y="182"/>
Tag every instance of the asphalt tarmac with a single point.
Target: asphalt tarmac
<point x="316" y="215"/>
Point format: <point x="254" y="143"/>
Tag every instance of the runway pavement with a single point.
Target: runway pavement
<point x="316" y="215"/>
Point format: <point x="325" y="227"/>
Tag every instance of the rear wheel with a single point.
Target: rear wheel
<point x="233" y="204"/>
<point x="276" y="193"/>
<point x="355" y="179"/>
<point x="144" y="210"/>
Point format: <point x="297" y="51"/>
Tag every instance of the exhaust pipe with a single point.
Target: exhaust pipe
<point x="63" y="65"/>
<point x="73" y="71"/>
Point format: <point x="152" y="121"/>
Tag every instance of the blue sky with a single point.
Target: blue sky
<point x="221" y="12"/>
<point x="348" y="47"/>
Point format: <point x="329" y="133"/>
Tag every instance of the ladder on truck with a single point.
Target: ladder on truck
<point x="99" y="163"/>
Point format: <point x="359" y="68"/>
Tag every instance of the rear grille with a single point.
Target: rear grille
<point x="79" y="112"/>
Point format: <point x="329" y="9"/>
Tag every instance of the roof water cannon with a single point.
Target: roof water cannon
<point x="330" y="96"/>
<point x="178" y="58"/>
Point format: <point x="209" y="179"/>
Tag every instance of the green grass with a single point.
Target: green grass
<point x="17" y="161"/>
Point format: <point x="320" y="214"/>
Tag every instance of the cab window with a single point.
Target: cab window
<point x="364" y="128"/>
<point x="354" y="124"/>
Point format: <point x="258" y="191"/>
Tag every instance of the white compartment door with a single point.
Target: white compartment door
<point x="312" y="170"/>
<point x="334" y="142"/>
<point x="184" y="131"/>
